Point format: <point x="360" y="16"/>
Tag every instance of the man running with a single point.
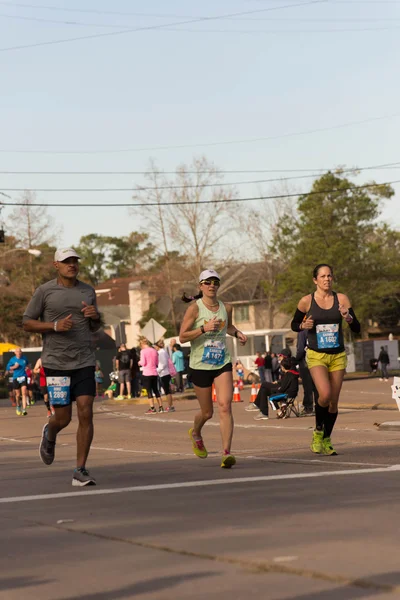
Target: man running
<point x="64" y="311"/>
<point x="17" y="365"/>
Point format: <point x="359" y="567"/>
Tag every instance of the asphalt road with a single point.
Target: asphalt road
<point x="284" y="524"/>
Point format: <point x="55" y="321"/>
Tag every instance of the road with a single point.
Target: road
<point x="161" y="524"/>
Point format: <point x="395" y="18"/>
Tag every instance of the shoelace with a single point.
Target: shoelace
<point x="83" y="471"/>
<point x="199" y="444"/>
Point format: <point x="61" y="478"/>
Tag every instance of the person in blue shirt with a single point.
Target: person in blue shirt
<point x="17" y="365"/>
<point x="179" y="364"/>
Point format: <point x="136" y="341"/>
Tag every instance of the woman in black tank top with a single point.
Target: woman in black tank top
<point x="321" y="314"/>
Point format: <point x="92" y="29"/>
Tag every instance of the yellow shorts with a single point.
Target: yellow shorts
<point x="333" y="362"/>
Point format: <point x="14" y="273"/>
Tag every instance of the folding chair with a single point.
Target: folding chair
<point x="291" y="406"/>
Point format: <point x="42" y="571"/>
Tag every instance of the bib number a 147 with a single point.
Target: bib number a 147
<point x="214" y="353"/>
<point x="59" y="390"/>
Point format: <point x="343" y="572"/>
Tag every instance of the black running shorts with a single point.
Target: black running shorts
<point x="204" y="378"/>
<point x="17" y="385"/>
<point x="82" y="380"/>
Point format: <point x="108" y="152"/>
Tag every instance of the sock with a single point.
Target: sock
<point x="47" y="405"/>
<point x="330" y="420"/>
<point x="226" y="452"/>
<point x="320" y="416"/>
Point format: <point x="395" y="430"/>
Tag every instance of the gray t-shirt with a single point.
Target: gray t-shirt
<point x="71" y="349"/>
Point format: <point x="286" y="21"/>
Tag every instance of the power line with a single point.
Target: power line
<point x="178" y="187"/>
<point x="160" y="26"/>
<point x="392" y="165"/>
<point x="206" y="144"/>
<point x="211" y="201"/>
<point x="280" y="31"/>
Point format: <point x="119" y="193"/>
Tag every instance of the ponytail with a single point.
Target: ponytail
<point x="191" y="298"/>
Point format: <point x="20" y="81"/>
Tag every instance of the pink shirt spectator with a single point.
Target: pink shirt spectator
<point x="149" y="361"/>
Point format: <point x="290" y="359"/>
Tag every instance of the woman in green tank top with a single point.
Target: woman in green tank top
<point x="205" y="325"/>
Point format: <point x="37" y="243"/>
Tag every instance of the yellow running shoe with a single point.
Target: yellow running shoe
<point x="317" y="442"/>
<point x="228" y="460"/>
<point x="327" y="447"/>
<point x="198" y="446"/>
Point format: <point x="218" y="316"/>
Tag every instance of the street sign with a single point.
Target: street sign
<point x="153" y="331"/>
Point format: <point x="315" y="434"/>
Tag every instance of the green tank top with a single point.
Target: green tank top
<point x="209" y="351"/>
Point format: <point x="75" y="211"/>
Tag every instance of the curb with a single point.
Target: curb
<point x="142" y="400"/>
<point x="390" y="426"/>
<point x="367" y="406"/>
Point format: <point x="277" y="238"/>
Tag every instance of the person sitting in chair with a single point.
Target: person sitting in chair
<point x="289" y="385"/>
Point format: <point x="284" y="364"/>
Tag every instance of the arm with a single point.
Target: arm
<point x="31" y="319"/>
<point x="187" y="334"/>
<point x="162" y="361"/>
<point x="348" y="313"/>
<point x="142" y="361"/>
<point x="90" y="311"/>
<point x="231" y="329"/>
<point x="299" y="322"/>
<point x="38" y="366"/>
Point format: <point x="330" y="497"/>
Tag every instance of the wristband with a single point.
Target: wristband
<point x="55" y="325"/>
<point x="202" y="329"/>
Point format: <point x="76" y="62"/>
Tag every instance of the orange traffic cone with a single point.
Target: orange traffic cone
<point x="236" y="394"/>
<point x="253" y="395"/>
<point x="240" y="384"/>
<point x="214" y="394"/>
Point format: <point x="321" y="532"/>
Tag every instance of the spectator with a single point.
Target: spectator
<point x="275" y="367"/>
<point x="123" y="365"/>
<point x="135" y="374"/>
<point x="99" y="379"/>
<point x="289" y="384"/>
<point x="309" y="390"/>
<point x="179" y="364"/>
<point x="239" y="369"/>
<point x="259" y="362"/>
<point x="170" y="349"/>
<point x="383" y="358"/>
<point x="268" y="367"/>
<point x="165" y="371"/>
<point x="149" y="363"/>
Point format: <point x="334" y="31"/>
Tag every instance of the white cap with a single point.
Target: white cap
<point x="208" y="274"/>
<point x="65" y="253"/>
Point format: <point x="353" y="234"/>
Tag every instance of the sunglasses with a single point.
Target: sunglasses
<point x="215" y="282"/>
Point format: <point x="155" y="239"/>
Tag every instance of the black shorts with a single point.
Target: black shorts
<point x="82" y="380"/>
<point x="17" y="385"/>
<point x="204" y="378"/>
<point x="44" y="390"/>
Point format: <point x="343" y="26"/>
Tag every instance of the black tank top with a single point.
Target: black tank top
<point x="326" y="336"/>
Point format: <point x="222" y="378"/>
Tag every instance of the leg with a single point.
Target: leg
<point x="147" y="386"/>
<point x="84" y="436"/>
<point x="206" y="409"/>
<point x="60" y="420"/>
<point x="17" y="392"/>
<point x="307" y="389"/>
<point x="24" y="395"/>
<point x="224" y="388"/>
<point x="154" y="386"/>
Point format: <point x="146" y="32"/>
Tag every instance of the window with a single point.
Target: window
<point x="242" y="314"/>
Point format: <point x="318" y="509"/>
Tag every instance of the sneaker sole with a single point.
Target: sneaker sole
<point x="77" y="483"/>
<point x="228" y="463"/>
<point x="40" y="445"/>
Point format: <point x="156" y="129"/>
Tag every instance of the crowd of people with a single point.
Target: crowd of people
<point x="65" y="313"/>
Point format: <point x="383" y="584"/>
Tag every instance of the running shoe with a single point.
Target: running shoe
<point x="49" y="414"/>
<point x="170" y="409"/>
<point x="261" y="417"/>
<point x="228" y="460"/>
<point x="46" y="448"/>
<point x="129" y="396"/>
<point x="161" y="409"/>
<point x="24" y="413"/>
<point x="151" y="411"/>
<point x="327" y="447"/>
<point x="81" y="477"/>
<point x="19" y="411"/>
<point x="120" y="397"/>
<point x="317" y="442"/>
<point x="198" y="446"/>
<point x="251" y="407"/>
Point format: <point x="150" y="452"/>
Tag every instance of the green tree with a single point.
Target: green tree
<point x="336" y="223"/>
<point x="154" y="313"/>
<point x="104" y="257"/>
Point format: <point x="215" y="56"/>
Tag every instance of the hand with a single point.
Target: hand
<point x="212" y="325"/>
<point x="308" y="323"/>
<point x="65" y="324"/>
<point x="89" y="311"/>
<point x="344" y="311"/>
<point x="241" y="337"/>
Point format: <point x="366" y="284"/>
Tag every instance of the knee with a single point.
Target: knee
<point x="208" y="413"/>
<point x="225" y="409"/>
<point x="324" y="399"/>
<point x="85" y="415"/>
<point x="333" y="406"/>
<point x="62" y="421"/>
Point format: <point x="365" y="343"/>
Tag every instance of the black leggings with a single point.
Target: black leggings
<point x="267" y="389"/>
<point x="150" y="383"/>
<point x="165" y="381"/>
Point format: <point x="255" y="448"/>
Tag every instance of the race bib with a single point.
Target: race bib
<point x="21" y="379"/>
<point x="59" y="390"/>
<point x="328" y="336"/>
<point x="214" y="353"/>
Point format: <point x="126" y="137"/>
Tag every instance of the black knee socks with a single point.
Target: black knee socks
<point x="330" y="420"/>
<point x="320" y="416"/>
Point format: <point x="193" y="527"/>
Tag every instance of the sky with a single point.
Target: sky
<point x="284" y="85"/>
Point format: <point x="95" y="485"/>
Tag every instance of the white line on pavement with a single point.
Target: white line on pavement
<point x="195" y="484"/>
<point x="313" y="461"/>
<point x="14" y="440"/>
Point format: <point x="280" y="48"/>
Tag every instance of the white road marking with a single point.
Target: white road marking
<point x="196" y="484"/>
<point x="281" y="559"/>
<point x="14" y="440"/>
<point x="314" y="461"/>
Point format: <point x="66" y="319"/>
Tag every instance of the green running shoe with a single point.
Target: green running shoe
<point x="317" y="442"/>
<point x="327" y="447"/>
